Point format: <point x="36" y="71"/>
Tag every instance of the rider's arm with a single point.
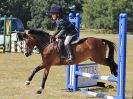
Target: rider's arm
<point x="57" y="31"/>
<point x="64" y="24"/>
<point x="62" y="32"/>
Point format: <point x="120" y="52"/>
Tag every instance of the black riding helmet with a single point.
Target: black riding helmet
<point x="55" y="9"/>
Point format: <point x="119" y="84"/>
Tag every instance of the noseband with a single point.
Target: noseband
<point x="28" y="50"/>
<point x="52" y="39"/>
<point x="40" y="45"/>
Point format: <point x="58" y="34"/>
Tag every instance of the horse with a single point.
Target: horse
<point x="95" y="49"/>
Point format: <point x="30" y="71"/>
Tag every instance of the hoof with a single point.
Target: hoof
<point x="27" y="83"/>
<point x="39" y="92"/>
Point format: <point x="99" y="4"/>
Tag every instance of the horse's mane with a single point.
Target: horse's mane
<point x="38" y="32"/>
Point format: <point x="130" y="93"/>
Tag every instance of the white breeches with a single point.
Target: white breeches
<point x="68" y="39"/>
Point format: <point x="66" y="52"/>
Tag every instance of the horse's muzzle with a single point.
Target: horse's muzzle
<point x="27" y="52"/>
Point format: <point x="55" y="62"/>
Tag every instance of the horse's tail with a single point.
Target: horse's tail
<point x="112" y="48"/>
<point x="110" y="59"/>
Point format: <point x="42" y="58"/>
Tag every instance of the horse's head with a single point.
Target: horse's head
<point x="28" y="45"/>
<point x="37" y="38"/>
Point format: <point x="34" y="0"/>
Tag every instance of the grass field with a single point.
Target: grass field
<point x="15" y="68"/>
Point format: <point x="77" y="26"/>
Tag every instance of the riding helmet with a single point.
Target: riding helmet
<point x="55" y="9"/>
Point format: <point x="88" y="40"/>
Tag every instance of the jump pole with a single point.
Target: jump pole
<point x="122" y="55"/>
<point x="73" y="20"/>
<point x="5" y="17"/>
<point x="10" y="33"/>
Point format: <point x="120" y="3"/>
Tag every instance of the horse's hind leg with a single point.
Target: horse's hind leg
<point x="113" y="66"/>
<point x="100" y="57"/>
<point x="38" y="68"/>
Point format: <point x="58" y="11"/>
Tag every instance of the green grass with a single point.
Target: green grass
<point x="15" y="68"/>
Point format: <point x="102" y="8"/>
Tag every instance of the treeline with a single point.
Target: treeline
<point x="17" y="8"/>
<point x="96" y="14"/>
<point x="104" y="13"/>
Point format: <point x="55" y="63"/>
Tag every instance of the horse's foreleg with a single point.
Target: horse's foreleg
<point x="45" y="75"/>
<point x="38" y="68"/>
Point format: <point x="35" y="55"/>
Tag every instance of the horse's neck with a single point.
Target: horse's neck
<point x="42" y="43"/>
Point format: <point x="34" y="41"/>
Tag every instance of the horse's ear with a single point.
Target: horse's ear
<point x="20" y="36"/>
<point x="25" y="35"/>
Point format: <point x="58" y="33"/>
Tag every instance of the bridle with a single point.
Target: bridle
<point x="52" y="39"/>
<point x="28" y="50"/>
<point x="40" y="45"/>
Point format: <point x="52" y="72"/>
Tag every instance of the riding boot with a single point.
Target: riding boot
<point x="69" y="52"/>
<point x="60" y="45"/>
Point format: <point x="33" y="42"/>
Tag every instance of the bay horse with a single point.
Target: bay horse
<point x="91" y="48"/>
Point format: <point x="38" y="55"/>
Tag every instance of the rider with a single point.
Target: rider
<point x="64" y="29"/>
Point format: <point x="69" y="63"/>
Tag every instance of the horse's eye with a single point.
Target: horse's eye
<point x="28" y="43"/>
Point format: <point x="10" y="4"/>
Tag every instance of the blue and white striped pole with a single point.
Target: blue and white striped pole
<point x="122" y="55"/>
<point x="76" y="21"/>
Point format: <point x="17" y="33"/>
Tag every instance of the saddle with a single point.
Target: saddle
<point x="58" y="46"/>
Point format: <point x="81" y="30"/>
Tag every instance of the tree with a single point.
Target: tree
<point x="17" y="8"/>
<point x="98" y="13"/>
<point x="40" y="12"/>
<point x="123" y="6"/>
<point x="104" y="13"/>
<point x="21" y="9"/>
<point x="4" y="7"/>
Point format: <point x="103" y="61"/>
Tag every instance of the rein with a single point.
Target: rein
<point x="40" y="41"/>
<point x="41" y="45"/>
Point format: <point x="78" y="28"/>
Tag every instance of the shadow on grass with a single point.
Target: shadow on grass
<point x="100" y="87"/>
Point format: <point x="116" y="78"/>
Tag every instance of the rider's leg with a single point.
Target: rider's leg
<point x="68" y="47"/>
<point x="60" y="45"/>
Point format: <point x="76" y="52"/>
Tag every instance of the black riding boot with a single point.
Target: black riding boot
<point x="61" y="46"/>
<point x="69" y="52"/>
